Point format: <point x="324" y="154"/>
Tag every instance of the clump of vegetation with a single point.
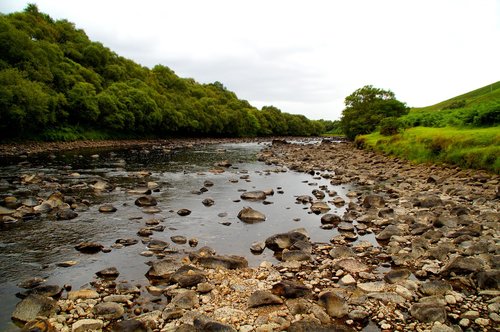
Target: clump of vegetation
<point x="366" y="108"/>
<point x="390" y="126"/>
<point x="469" y="148"/>
<point x="55" y="83"/>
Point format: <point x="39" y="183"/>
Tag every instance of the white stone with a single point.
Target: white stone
<point x="347" y="280"/>
<point x="450" y="299"/>
<point x="369" y="287"/>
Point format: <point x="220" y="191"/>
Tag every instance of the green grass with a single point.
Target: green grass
<point x="469" y="148"/>
<point x="486" y="94"/>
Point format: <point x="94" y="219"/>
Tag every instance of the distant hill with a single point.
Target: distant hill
<point x="57" y="84"/>
<point x="486" y="94"/>
<point x="477" y="108"/>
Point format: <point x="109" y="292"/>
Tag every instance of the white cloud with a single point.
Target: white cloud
<point x="303" y="56"/>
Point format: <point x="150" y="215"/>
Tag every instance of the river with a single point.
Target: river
<point x="33" y="248"/>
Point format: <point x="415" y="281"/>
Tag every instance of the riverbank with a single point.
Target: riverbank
<point x="434" y="265"/>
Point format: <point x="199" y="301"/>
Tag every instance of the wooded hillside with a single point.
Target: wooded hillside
<point x="55" y="83"/>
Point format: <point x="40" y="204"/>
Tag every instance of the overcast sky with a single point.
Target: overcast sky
<point x="302" y="56"/>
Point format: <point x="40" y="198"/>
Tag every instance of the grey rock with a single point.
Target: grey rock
<point x="320" y="207"/>
<point x="374" y="201"/>
<point x="290" y="289"/>
<point x="228" y="262"/>
<point x="330" y="218"/>
<point x="89" y="247"/>
<point x="398" y="275"/>
<point x="109" y="310"/>
<point x="66" y="214"/>
<point x="163" y="268"/>
<point x="282" y="241"/>
<point x="34" y="306"/>
<point x="463" y="265"/>
<point x="107" y="208"/>
<point x="435" y="287"/>
<point x="250" y="215"/>
<point x="129" y="325"/>
<point x="261" y="297"/>
<point x="108" y="273"/>
<point x="295" y="255"/>
<point x="188" y="276"/>
<point x="388" y="232"/>
<point x="185" y="300"/>
<point x="254" y="195"/>
<point x="308" y="326"/>
<point x="86" y="325"/>
<point x="184" y="212"/>
<point x="179" y="239"/>
<point x="335" y="305"/>
<point x="428" y="312"/>
<point x="146" y="201"/>
<point x="204" y="323"/>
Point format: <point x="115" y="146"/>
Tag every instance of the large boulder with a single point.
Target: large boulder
<point x="188" y="276"/>
<point x="231" y="262"/>
<point x="262" y="297"/>
<point x="254" y="195"/>
<point x="34" y="306"/>
<point x="163" y="269"/>
<point x="281" y="241"/>
<point x="373" y="201"/>
<point x="146" y="201"/>
<point x="335" y="305"/>
<point x="249" y="215"/>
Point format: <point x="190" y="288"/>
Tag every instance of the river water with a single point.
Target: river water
<point x="33" y="248"/>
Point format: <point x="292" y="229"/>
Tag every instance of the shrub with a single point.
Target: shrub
<point x="390" y="126"/>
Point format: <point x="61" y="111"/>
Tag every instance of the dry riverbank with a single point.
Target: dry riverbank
<point x="435" y="266"/>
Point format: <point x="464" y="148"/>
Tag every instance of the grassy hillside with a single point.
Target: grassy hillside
<point x="486" y="94"/>
<point x="464" y="131"/>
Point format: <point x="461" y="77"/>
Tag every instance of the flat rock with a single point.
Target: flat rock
<point x="34" y="306"/>
<point x="86" y="325"/>
<point x="66" y="214"/>
<point x="83" y="294"/>
<point x="185" y="300"/>
<point x="371" y="287"/>
<point x="89" y="247"/>
<point x="146" y="201"/>
<point x="163" y="268"/>
<point x="109" y="310"/>
<point x="373" y="201"/>
<point x="257" y="195"/>
<point x="179" y="239"/>
<point x="262" y="297"/>
<point x="184" y="212"/>
<point x="395" y="276"/>
<point x="463" y="265"/>
<point x="129" y="325"/>
<point x="295" y="255"/>
<point x="228" y="262"/>
<point x="320" y="207"/>
<point x="281" y="241"/>
<point x="428" y="312"/>
<point x="335" y="305"/>
<point x="108" y="273"/>
<point x="388" y="232"/>
<point x="351" y="265"/>
<point x="188" y="276"/>
<point x="309" y="326"/>
<point x="330" y="219"/>
<point x="107" y="208"/>
<point x="290" y="289"/>
<point x="435" y="287"/>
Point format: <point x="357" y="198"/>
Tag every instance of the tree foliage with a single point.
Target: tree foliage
<point x="53" y="76"/>
<point x="366" y="108"/>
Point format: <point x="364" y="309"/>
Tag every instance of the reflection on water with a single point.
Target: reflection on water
<point x="34" y="247"/>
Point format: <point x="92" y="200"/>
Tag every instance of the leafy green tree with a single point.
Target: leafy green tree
<point x="366" y="107"/>
<point x="83" y="103"/>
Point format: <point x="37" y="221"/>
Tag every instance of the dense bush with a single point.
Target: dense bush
<point x="390" y="126"/>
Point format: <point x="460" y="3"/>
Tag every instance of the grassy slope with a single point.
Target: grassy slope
<point x="465" y="146"/>
<point x="488" y="93"/>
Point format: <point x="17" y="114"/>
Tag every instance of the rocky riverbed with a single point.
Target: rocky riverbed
<point x="434" y="267"/>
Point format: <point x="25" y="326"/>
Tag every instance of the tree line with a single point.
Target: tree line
<point x="52" y="76"/>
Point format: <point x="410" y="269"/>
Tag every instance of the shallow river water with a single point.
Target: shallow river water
<point x="34" y="248"/>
